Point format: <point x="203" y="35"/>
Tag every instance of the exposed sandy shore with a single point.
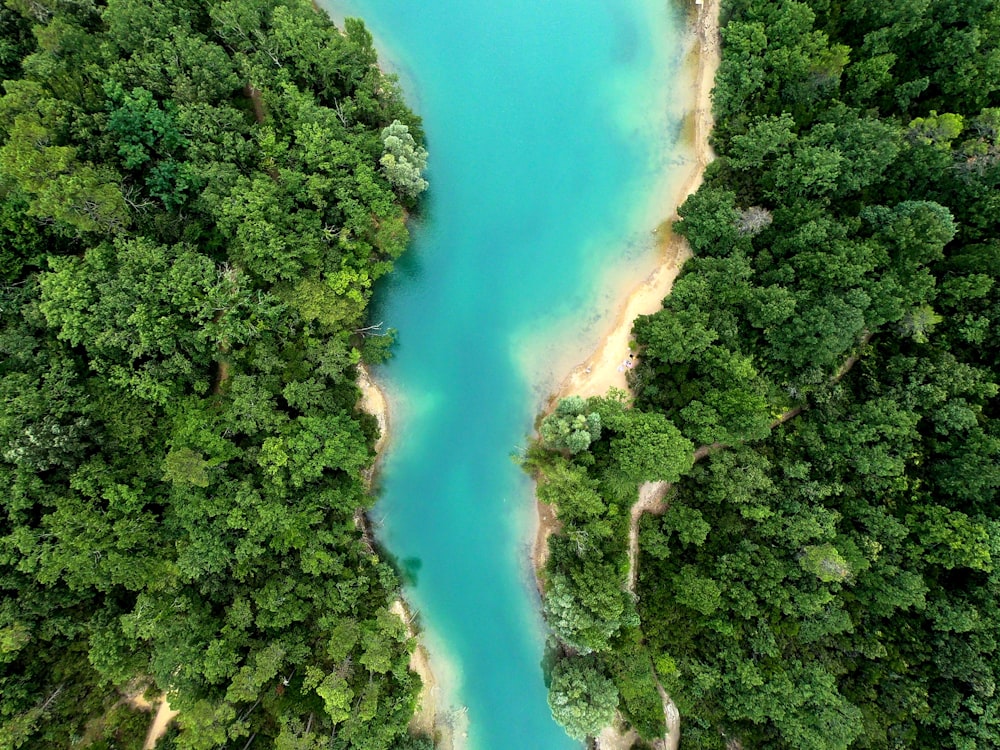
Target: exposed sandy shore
<point x="374" y="402"/>
<point x="433" y="717"/>
<point x="603" y="369"/>
<point x="548" y="524"/>
<point x="425" y="719"/>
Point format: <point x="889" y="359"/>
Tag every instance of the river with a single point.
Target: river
<point x="553" y="130"/>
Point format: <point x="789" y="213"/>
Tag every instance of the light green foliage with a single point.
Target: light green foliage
<point x="570" y="427"/>
<point x="12" y="639"/>
<point x="919" y="322"/>
<point x="585" y="608"/>
<point x="581" y="698"/>
<point x="953" y="540"/>
<point x="185" y="466"/>
<point x="403" y="160"/>
<point x="688" y="523"/>
<point x="697" y="592"/>
<point x="62" y="189"/>
<point x="246" y="684"/>
<point x="824" y="562"/>
<point x="568" y="487"/>
<point x="337" y="697"/>
<point x="936" y="130"/>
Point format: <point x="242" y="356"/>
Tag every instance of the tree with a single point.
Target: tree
<point x="570" y="427"/>
<point x="403" y="160"/>
<point x="754" y="220"/>
<point x="650" y="448"/>
<point x="582" y="699"/>
<point x="570" y="489"/>
<point x="180" y="436"/>
<point x="585" y="604"/>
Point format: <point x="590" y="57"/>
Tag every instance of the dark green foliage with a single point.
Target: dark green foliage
<point x="192" y="214"/>
<point x="825" y="578"/>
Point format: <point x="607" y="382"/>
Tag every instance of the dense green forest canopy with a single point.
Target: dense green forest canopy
<point x="195" y="199"/>
<point x="825" y="574"/>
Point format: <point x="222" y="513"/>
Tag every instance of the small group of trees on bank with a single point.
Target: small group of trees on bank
<point x="824" y="580"/>
<point x="195" y="199"/>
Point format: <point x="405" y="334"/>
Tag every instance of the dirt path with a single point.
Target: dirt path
<point x="652" y="494"/>
<point x="164" y="715"/>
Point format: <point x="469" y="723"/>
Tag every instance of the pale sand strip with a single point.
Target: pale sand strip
<point x="600" y="372"/>
<point x="374" y="402"/>
<point x="425" y="719"/>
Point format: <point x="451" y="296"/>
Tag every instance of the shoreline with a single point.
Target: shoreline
<point x="601" y="371"/>
<point x="598" y="373"/>
<point x="431" y="718"/>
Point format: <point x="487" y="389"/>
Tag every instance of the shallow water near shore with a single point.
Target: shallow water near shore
<point x="554" y="130"/>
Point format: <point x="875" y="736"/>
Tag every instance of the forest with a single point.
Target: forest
<point x="195" y="199"/>
<point x="818" y="399"/>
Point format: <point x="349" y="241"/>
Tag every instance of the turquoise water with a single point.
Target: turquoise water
<point x="551" y="125"/>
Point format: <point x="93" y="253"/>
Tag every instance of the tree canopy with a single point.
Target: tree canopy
<point x="194" y="204"/>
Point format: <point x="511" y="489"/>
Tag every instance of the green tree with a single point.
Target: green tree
<point x="582" y="699"/>
<point x="403" y="161"/>
<point x="570" y="426"/>
<point x="650" y="448"/>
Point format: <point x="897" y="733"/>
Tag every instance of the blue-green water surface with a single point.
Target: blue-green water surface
<point x="550" y="125"/>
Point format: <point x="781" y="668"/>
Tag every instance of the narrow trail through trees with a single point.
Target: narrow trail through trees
<point x="652" y="495"/>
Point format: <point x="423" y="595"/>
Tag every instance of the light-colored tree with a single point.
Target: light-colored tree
<point x="569" y="428"/>
<point x="825" y="562"/>
<point x="753" y="220"/>
<point x="582" y="699"/>
<point x="403" y="161"/>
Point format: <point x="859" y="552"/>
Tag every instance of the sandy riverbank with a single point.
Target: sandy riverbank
<point x="374" y="402"/>
<point x="433" y="718"/>
<point x="602" y="370"/>
<point x="423" y="719"/>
